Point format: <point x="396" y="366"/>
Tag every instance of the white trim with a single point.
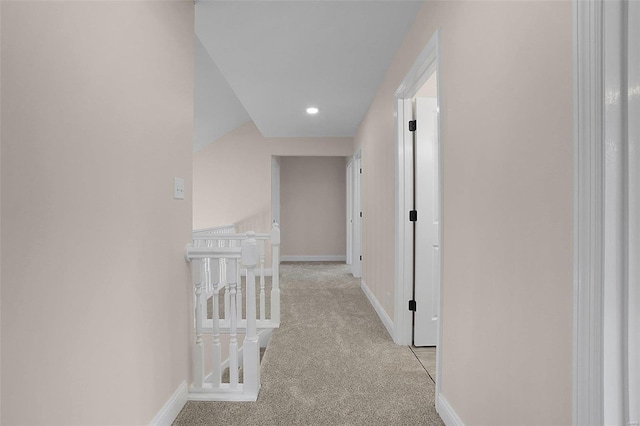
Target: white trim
<point x="172" y="407"/>
<point x="424" y="66"/>
<point x="223" y="393"/>
<point x="321" y="258"/>
<point x="349" y="212"/>
<point x="633" y="213"/>
<point x="358" y="229"/>
<point x="588" y="193"/>
<point x="386" y="320"/>
<point x="275" y="189"/>
<point x="447" y="413"/>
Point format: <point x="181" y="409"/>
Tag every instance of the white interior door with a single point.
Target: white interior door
<point x="633" y="132"/>
<point x="350" y="213"/>
<point x="621" y="349"/>
<point x="427" y="226"/>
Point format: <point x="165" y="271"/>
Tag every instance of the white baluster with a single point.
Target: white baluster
<point x="225" y="282"/>
<point x="216" y="369"/>
<point x="239" y="299"/>
<point x="262" y="294"/>
<point x="206" y="263"/>
<point x="275" y="278"/>
<point x="251" y="348"/>
<point x="233" y="338"/>
<point x="198" y="351"/>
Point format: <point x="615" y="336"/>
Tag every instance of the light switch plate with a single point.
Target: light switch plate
<point x="178" y="188"/>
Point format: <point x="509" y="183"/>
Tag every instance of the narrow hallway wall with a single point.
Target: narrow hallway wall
<point x="506" y="86"/>
<point x="313" y="206"/>
<point x="97" y="118"/>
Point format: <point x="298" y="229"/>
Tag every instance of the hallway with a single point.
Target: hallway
<point x="330" y="362"/>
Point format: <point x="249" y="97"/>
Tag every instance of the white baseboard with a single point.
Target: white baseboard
<point x="386" y="320"/>
<point x="268" y="272"/>
<point x="172" y="407"/>
<point x="447" y="413"/>
<point x="321" y="258"/>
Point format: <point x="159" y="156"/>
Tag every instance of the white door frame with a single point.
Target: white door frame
<point x="425" y="65"/>
<point x="350" y="212"/>
<point x="275" y="189"/>
<point x="356" y="264"/>
<point x="601" y="232"/>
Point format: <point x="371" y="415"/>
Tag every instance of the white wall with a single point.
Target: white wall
<point x="97" y="117"/>
<point x="232" y="176"/>
<point x="313" y="206"/>
<point x="506" y="86"/>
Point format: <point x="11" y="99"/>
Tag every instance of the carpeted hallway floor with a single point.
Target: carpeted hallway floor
<point x="331" y="362"/>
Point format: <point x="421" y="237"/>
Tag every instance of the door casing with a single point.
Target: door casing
<point x="349" y="212"/>
<point x="426" y="64"/>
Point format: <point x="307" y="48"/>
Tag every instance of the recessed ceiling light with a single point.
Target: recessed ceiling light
<point x="312" y="110"/>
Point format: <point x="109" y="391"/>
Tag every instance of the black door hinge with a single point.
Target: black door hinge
<point x="360" y="214"/>
<point x="360" y="170"/>
<point x="360" y="257"/>
<point x="413" y="125"/>
<point x="413" y="216"/>
<point x="412" y="305"/>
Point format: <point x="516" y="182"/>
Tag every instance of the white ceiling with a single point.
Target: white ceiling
<point x="279" y="57"/>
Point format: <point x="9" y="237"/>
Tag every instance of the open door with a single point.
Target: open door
<point x="427" y="224"/>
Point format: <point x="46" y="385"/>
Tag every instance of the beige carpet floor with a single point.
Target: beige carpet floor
<point x="331" y="362"/>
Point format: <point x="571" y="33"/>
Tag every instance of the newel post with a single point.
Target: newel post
<point x="275" y="279"/>
<point x="251" y="349"/>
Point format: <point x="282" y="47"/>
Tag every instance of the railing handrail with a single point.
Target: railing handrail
<point x="214" y="228"/>
<point x="192" y="252"/>
<point x="238" y="236"/>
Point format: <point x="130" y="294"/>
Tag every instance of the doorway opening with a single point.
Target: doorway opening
<point x="426" y="219"/>
<point x="309" y="202"/>
<point x="356" y="216"/>
<point x="418" y="224"/>
<point x="349" y="223"/>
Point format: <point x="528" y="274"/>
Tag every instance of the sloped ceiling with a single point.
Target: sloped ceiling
<point x="279" y="57"/>
<point x="216" y="110"/>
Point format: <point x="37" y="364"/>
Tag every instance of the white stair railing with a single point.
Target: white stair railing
<point x="269" y="317"/>
<point x="215" y="267"/>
